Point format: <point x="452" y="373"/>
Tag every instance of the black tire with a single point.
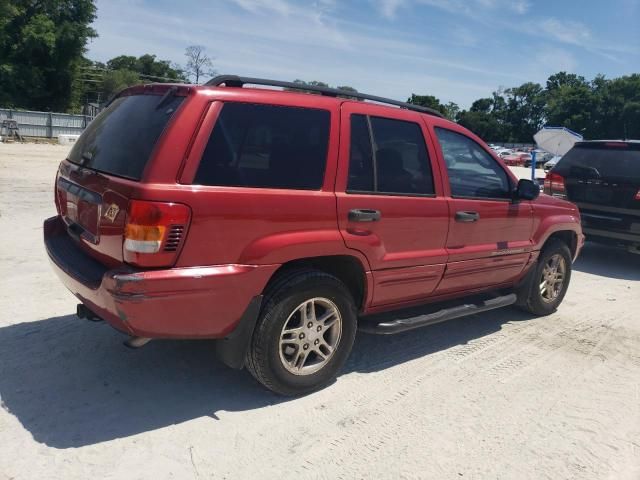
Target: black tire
<point x="530" y="298"/>
<point x="264" y="356"/>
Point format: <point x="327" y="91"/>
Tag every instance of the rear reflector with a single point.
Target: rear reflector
<point x="150" y="230"/>
<point x="554" y="185"/>
<point x="143" y="238"/>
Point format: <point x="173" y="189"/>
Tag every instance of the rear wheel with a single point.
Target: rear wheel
<point x="304" y="334"/>
<point x="547" y="284"/>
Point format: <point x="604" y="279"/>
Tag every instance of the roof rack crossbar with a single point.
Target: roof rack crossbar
<point x="236" y="81"/>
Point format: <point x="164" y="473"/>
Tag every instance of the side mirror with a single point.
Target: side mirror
<point x="527" y="190"/>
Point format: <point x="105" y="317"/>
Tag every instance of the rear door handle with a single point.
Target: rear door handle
<point x="467" y="217"/>
<point x="364" y="215"/>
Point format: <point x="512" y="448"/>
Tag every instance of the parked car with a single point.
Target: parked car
<point x="548" y="166"/>
<point x="542" y="158"/>
<point x="278" y="223"/>
<point x="504" y="152"/>
<point x="603" y="179"/>
<point x="517" y="159"/>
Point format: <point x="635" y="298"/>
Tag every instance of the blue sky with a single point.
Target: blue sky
<point x="457" y="50"/>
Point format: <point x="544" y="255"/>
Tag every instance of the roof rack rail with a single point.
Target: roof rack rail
<point x="236" y="81"/>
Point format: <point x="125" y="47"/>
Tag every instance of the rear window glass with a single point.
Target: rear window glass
<point x="266" y="146"/>
<point x="601" y="161"/>
<point x="401" y="160"/>
<point x="121" y="138"/>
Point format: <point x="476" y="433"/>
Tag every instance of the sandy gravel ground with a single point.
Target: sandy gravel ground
<point x="499" y="395"/>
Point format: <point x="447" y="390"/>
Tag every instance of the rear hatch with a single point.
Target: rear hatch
<point x="95" y="183"/>
<point x="603" y="179"/>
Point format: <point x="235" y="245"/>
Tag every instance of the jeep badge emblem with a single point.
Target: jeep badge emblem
<point x="112" y="212"/>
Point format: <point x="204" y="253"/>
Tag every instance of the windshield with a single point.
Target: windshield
<point x="121" y="138"/>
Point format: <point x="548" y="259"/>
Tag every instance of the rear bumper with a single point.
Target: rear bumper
<point x="597" y="234"/>
<point x="194" y="302"/>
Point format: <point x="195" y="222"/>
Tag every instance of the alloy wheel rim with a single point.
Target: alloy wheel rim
<point x="552" y="278"/>
<point x="310" y="336"/>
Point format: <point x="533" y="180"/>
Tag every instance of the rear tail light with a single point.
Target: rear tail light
<point x="154" y="232"/>
<point x="55" y="192"/>
<point x="554" y="185"/>
<point x="637" y="197"/>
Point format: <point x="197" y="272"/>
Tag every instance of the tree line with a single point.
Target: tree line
<point x="43" y="67"/>
<point x="599" y="108"/>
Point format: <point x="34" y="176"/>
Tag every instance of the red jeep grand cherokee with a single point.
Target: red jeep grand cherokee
<point x="280" y="222"/>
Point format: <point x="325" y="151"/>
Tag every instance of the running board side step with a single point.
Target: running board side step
<point x="404" y="324"/>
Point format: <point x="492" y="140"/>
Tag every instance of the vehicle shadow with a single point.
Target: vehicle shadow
<point x="608" y="261"/>
<point x="71" y="383"/>
<point x="376" y="352"/>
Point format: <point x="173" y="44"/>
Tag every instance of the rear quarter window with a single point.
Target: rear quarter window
<point x="266" y="146"/>
<point x="121" y="139"/>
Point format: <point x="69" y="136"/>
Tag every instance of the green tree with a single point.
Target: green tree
<point x="99" y="81"/>
<point x="428" y="101"/>
<point x="482" y="105"/>
<point x="615" y="106"/>
<point x="302" y="83"/>
<point x="484" y="119"/>
<point x="570" y="102"/>
<point x="483" y="124"/>
<point x="41" y="45"/>
<point x="451" y="111"/>
<point x="631" y="120"/>
<point x="525" y="111"/>
<point x="148" y="66"/>
<point x="348" y="89"/>
<point x="115" y="80"/>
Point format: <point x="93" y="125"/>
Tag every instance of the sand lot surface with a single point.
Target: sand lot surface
<point x="498" y="395"/>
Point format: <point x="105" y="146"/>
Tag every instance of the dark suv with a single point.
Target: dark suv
<point x="603" y="179"/>
<point x="278" y="223"/>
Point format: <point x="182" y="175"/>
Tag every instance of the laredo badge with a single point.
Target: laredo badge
<point x="112" y="212"/>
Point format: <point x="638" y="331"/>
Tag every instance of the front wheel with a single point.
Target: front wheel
<point x="548" y="282"/>
<point x="304" y="334"/>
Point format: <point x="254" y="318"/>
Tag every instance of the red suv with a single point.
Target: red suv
<point x="278" y="223"/>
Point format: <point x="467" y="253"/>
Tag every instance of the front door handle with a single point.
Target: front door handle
<point x="364" y="215"/>
<point x="467" y="217"/>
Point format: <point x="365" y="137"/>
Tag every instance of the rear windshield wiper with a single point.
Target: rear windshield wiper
<point x="87" y="157"/>
<point x="166" y="97"/>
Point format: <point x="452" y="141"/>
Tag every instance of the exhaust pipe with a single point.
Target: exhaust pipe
<point x="84" y="312"/>
<point x="136" y="342"/>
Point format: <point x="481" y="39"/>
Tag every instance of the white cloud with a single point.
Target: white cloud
<point x="279" y="6"/>
<point x="464" y="36"/>
<point x="458" y="59"/>
<point x="520" y="6"/>
<point x="551" y="60"/>
<point x="388" y="8"/>
<point x="575" y="33"/>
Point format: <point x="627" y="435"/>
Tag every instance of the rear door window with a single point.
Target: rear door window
<point x="266" y="146"/>
<point x="120" y="140"/>
<point x="388" y="156"/>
